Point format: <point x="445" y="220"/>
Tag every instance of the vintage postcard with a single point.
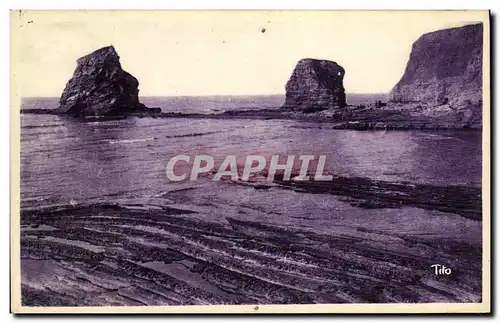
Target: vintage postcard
<point x="250" y="161"/>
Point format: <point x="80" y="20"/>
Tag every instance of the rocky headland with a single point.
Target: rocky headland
<point x="440" y="88"/>
<point x="443" y="77"/>
<point x="445" y="68"/>
<point x="100" y="87"/>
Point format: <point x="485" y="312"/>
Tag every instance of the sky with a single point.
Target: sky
<point x="177" y="53"/>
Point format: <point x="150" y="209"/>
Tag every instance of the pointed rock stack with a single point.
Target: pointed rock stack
<point x="100" y="87"/>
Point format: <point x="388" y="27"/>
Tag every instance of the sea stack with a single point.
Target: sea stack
<point x="444" y="68"/>
<point x="100" y="87"/>
<point x="315" y="85"/>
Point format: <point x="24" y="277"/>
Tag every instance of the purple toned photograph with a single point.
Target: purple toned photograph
<point x="251" y="158"/>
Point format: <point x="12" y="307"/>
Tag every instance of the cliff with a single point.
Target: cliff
<point x="315" y="85"/>
<point x="100" y="87"/>
<point x="444" y="73"/>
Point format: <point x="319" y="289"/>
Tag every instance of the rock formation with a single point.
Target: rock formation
<point x="100" y="87"/>
<point x="445" y="70"/>
<point x="315" y="85"/>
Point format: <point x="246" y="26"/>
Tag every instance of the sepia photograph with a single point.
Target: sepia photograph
<point x="250" y="161"/>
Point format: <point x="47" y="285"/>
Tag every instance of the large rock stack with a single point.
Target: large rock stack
<point x="100" y="87"/>
<point x="315" y="85"/>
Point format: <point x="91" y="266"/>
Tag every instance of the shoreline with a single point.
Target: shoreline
<point x="347" y="120"/>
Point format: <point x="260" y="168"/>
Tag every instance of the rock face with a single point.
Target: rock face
<point x="100" y="87"/>
<point x="315" y="85"/>
<point x="445" y="68"/>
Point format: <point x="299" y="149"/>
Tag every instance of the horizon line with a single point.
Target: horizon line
<point x="207" y="95"/>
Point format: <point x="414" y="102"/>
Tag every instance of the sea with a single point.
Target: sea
<point x="70" y="162"/>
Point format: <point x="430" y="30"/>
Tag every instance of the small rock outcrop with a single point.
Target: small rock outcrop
<point x="100" y="87"/>
<point x="315" y="85"/>
<point x="444" y="68"/>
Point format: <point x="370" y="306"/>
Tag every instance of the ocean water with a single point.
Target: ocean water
<point x="65" y="160"/>
<point x="69" y="162"/>
<point x="209" y="104"/>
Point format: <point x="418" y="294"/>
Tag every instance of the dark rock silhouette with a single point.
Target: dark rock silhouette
<point x="315" y="85"/>
<point x="445" y="67"/>
<point x="100" y="87"/>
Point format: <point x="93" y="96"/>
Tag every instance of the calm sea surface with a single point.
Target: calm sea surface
<point x="66" y="161"/>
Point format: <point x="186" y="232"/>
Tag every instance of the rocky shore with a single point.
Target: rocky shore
<point x="353" y="118"/>
<point x="136" y="255"/>
<point x="373" y="194"/>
